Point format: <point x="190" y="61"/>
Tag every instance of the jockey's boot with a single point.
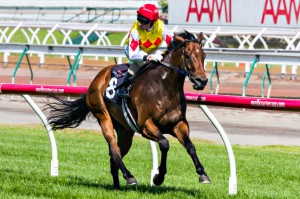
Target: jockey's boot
<point x="123" y="90"/>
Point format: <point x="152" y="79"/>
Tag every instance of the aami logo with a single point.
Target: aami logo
<point x="210" y="7"/>
<point x="290" y="11"/>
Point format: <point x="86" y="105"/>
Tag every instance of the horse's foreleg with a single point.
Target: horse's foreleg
<point x="152" y="132"/>
<point x="199" y="168"/>
<point x="164" y="148"/>
<point x="181" y="131"/>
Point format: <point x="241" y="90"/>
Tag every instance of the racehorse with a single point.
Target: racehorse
<point x="156" y="102"/>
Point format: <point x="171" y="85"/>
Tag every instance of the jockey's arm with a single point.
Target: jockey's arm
<point x="134" y="52"/>
<point x="167" y="36"/>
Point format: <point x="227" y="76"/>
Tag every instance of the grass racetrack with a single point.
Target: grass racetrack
<point x="262" y="172"/>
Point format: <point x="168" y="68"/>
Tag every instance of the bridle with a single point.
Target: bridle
<point x="184" y="72"/>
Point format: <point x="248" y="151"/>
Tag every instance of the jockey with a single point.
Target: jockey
<point x="146" y="35"/>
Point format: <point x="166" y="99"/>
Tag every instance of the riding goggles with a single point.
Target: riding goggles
<point x="143" y="20"/>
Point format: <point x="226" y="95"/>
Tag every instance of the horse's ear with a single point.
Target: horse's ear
<point x="178" y="38"/>
<point x="200" y="36"/>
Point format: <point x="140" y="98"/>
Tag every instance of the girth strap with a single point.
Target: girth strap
<point x="128" y="116"/>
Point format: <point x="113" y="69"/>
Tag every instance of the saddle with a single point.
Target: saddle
<point x="118" y="74"/>
<point x="117" y="77"/>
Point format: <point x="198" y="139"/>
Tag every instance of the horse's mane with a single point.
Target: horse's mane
<point x="175" y="44"/>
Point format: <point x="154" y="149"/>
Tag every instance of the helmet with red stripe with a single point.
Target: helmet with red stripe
<point x="148" y="11"/>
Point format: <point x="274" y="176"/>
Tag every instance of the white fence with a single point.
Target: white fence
<point x="216" y="54"/>
<point x="60" y="33"/>
<point x="246" y="37"/>
<point x="213" y="54"/>
<point x="265" y="56"/>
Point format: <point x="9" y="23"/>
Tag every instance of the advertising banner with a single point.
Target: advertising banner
<point x="255" y="13"/>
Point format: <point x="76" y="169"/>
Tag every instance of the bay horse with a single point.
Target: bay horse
<point x="156" y="102"/>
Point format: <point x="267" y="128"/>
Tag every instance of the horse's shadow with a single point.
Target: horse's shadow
<point x="79" y="181"/>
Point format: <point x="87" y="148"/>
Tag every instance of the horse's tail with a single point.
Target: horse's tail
<point x="65" y="113"/>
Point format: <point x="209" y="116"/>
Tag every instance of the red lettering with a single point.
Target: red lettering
<point x="219" y="6"/>
<point x="268" y="11"/>
<point x="206" y="10"/>
<point x="192" y="10"/>
<point x="219" y="9"/>
<point x="282" y="10"/>
<point x="297" y="10"/>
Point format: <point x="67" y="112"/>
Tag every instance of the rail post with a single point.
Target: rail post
<point x="54" y="160"/>
<point x="263" y="82"/>
<point x="154" y="170"/>
<point x="215" y="69"/>
<point x="19" y="63"/>
<point x="73" y="69"/>
<point x="249" y="75"/>
<point x="232" y="190"/>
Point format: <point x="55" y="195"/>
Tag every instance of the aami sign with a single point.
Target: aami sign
<point x="265" y="13"/>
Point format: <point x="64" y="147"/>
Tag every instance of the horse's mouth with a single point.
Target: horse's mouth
<point x="199" y="83"/>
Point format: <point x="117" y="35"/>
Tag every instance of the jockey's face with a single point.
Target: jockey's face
<point x="144" y="23"/>
<point x="145" y="26"/>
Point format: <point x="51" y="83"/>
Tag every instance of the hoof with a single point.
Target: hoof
<point x="117" y="188"/>
<point x="131" y="181"/>
<point x="204" y="179"/>
<point x="158" y="179"/>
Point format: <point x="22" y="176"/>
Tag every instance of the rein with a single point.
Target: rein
<point x="192" y="79"/>
<point x="174" y="68"/>
<point x="183" y="52"/>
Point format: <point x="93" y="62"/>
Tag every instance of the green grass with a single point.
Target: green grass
<point x="116" y="38"/>
<point x="19" y="37"/>
<point x="263" y="172"/>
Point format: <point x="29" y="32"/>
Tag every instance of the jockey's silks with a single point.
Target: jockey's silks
<point x="147" y="41"/>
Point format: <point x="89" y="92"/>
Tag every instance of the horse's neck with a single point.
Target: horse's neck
<point x="171" y="79"/>
<point x="177" y="78"/>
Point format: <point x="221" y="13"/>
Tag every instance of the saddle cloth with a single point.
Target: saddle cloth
<point x="117" y="77"/>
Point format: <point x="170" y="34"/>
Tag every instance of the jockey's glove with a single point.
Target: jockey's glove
<point x="159" y="52"/>
<point x="155" y="57"/>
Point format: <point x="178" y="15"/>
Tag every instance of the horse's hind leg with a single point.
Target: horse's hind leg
<point x="114" y="169"/>
<point x="96" y="104"/>
<point x="181" y="131"/>
<point x="124" y="143"/>
<point x="114" y="151"/>
<point x="153" y="133"/>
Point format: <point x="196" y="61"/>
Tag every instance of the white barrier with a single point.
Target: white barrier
<point x="213" y="54"/>
<point x="209" y="99"/>
<point x="54" y="160"/>
<point x="265" y="56"/>
<point x="64" y="90"/>
<point x="246" y="37"/>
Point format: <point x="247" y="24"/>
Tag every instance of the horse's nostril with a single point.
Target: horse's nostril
<point x="202" y="81"/>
